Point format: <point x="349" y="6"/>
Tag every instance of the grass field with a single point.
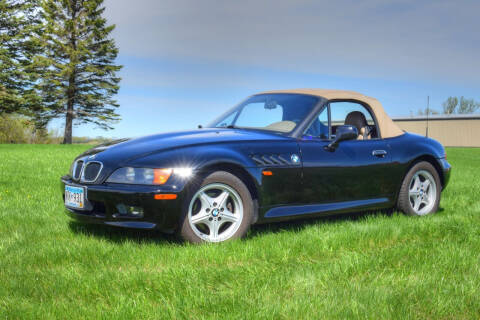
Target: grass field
<point x="360" y="266"/>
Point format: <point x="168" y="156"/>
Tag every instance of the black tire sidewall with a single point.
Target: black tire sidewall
<point x="186" y="232"/>
<point x="403" y="202"/>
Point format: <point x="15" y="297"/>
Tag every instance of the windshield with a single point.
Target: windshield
<point x="273" y="112"/>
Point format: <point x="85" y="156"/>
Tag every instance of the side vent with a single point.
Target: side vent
<point x="257" y="160"/>
<point x="270" y="160"/>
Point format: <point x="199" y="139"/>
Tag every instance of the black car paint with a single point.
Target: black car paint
<point x="349" y="178"/>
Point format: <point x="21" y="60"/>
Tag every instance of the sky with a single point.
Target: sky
<point x="187" y="61"/>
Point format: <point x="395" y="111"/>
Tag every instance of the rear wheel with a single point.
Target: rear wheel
<point x="420" y="191"/>
<point x="219" y="209"/>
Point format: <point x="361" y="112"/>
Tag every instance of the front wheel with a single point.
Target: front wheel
<point x="420" y="191"/>
<point x="220" y="209"/>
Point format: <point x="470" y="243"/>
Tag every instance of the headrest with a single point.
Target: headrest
<point x="357" y="119"/>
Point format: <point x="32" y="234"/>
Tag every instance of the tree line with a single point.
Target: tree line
<point x="57" y="60"/>
<point x="454" y="105"/>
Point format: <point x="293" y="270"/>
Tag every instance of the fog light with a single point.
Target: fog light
<point x="131" y="211"/>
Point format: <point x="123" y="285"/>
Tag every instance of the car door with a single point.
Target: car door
<point x="356" y="173"/>
<point x="283" y="183"/>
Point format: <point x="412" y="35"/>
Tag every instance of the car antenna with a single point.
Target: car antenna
<point x="428" y="112"/>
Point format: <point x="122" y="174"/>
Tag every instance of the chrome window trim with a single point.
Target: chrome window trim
<point x="85" y="164"/>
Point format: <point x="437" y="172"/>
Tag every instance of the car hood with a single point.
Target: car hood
<point x="126" y="150"/>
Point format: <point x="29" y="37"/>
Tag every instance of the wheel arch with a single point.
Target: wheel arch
<point x="424" y="157"/>
<point x="430" y="159"/>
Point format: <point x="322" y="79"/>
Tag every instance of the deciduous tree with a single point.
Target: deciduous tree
<point x="428" y="111"/>
<point x="450" y="105"/>
<point x="467" y="106"/>
<point x="454" y="105"/>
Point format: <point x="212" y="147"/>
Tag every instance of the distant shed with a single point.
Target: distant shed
<point x="450" y="130"/>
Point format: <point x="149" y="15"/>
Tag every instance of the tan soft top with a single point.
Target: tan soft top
<point x="388" y="129"/>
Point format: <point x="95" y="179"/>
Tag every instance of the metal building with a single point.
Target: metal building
<point x="450" y="130"/>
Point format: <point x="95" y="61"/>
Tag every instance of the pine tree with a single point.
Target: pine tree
<point x="78" y="72"/>
<point x="19" y="25"/>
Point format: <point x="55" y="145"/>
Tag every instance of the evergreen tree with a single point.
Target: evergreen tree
<point x="78" y="72"/>
<point x="19" y="23"/>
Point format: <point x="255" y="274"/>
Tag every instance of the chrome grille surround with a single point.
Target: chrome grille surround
<point x="77" y="169"/>
<point x="84" y="179"/>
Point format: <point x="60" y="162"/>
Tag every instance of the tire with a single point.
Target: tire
<point x="419" y="197"/>
<point x="218" y="209"/>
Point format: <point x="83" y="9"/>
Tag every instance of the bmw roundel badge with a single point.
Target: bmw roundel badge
<point x="295" y="158"/>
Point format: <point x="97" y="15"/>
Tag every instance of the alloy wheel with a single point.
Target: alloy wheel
<point x="422" y="192"/>
<point x="215" y="212"/>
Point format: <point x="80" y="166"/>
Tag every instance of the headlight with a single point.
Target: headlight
<point x="131" y="175"/>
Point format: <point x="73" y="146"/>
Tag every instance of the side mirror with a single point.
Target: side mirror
<point x="343" y="133"/>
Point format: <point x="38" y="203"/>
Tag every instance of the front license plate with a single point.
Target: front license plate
<point x="74" y="197"/>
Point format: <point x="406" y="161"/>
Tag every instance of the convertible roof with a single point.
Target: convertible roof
<point x="388" y="128"/>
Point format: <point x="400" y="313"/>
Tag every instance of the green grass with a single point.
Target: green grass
<point x="358" y="266"/>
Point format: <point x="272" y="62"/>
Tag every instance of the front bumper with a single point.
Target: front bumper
<point x="102" y="205"/>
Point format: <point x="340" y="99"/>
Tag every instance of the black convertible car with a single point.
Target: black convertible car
<point x="277" y="156"/>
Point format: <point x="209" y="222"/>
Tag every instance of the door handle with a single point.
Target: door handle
<point x="379" y="153"/>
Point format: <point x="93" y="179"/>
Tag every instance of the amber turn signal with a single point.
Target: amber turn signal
<point x="160" y="176"/>
<point x="165" y="196"/>
<point x="267" y="173"/>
